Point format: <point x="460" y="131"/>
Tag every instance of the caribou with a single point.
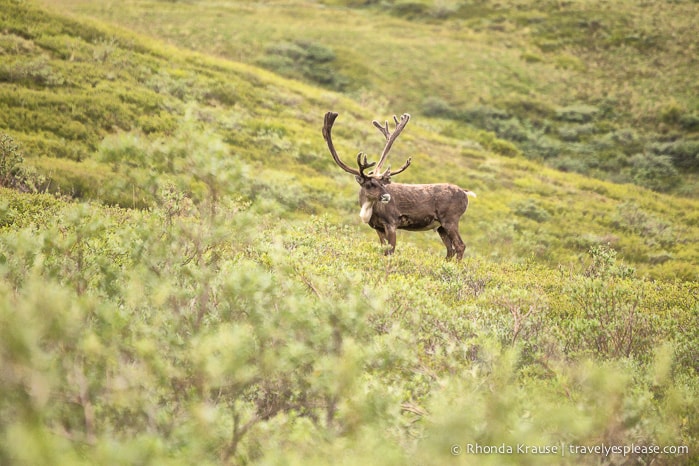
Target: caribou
<point x="387" y="206"/>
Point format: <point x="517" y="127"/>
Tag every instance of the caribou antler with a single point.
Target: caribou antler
<point x="387" y="207"/>
<point x="362" y="162"/>
<point x="327" y="127"/>
<point x="389" y="173"/>
<point x="390" y="139"/>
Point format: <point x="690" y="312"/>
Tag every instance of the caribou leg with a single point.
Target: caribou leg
<point x="385" y="238"/>
<point x="447" y="241"/>
<point x="390" y="232"/>
<point x="382" y="236"/>
<point x="451" y="232"/>
<point x="456" y="240"/>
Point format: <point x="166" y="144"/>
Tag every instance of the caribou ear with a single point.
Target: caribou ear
<point x="386" y="178"/>
<point x="359" y="179"/>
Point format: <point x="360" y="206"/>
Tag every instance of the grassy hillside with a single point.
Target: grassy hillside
<point x="142" y="112"/>
<point x="603" y="88"/>
<point x="184" y="279"/>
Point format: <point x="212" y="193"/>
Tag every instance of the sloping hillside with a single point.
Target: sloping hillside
<point x="101" y="113"/>
<point x="192" y="285"/>
<point x="604" y="88"/>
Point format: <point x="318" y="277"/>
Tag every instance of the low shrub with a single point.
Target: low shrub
<point x="13" y="172"/>
<point x="304" y="60"/>
<point x="654" y="172"/>
<point x="532" y="210"/>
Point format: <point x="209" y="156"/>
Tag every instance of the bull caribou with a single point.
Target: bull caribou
<point x="388" y="206"/>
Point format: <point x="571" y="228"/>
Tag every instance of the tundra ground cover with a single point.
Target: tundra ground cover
<point x="191" y="283"/>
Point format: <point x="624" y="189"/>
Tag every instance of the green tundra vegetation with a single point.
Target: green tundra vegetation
<point x="184" y="278"/>
<point x="603" y="88"/>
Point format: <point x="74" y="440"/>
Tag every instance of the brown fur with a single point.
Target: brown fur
<point x="420" y="207"/>
<point x="387" y="206"/>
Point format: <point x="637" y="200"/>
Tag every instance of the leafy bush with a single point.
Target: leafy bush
<point x="304" y="60"/>
<point x="574" y="133"/>
<point x="690" y="121"/>
<point x="12" y="44"/>
<point x="491" y="142"/>
<point x="484" y="116"/>
<point x="532" y="210"/>
<point x="35" y="71"/>
<point x="436" y="107"/>
<point x="609" y="320"/>
<point x="683" y="153"/>
<point x="10" y="161"/>
<point x="13" y="173"/>
<point x="654" y="231"/>
<point x="197" y="161"/>
<point x="655" y="172"/>
<point x="571" y="164"/>
<point x="22" y="210"/>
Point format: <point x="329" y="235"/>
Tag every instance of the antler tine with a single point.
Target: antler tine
<point x="390" y="139"/>
<point x="327" y="128"/>
<point x="363" y="164"/>
<point x="384" y="129"/>
<point x="401" y="169"/>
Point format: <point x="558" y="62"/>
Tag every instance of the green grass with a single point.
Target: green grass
<point x="522" y="70"/>
<point x="126" y="113"/>
<point x="192" y="283"/>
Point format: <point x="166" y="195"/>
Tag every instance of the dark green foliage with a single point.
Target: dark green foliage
<point x="690" y="121"/>
<point x="655" y="172"/>
<point x="305" y="60"/>
<point x="683" y="153"/>
<point x="410" y="10"/>
<point x="436" y="107"/>
<point x="530" y="209"/>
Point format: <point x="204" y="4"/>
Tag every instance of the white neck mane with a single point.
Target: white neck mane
<point x="367" y="209"/>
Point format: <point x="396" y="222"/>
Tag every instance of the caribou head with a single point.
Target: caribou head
<point x="387" y="206"/>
